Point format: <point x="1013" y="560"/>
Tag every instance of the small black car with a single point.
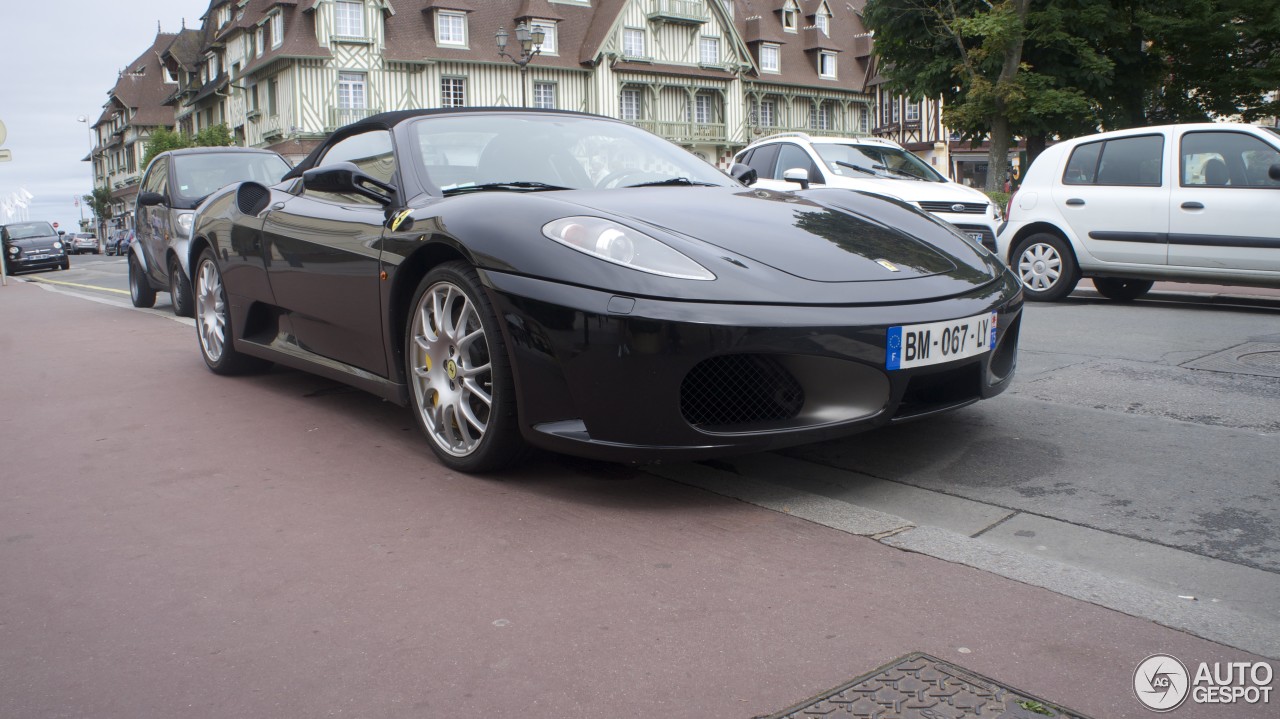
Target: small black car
<point x="32" y="246"/>
<point x="549" y="278"/>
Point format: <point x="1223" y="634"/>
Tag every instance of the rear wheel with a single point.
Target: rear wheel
<point x="66" y="263"/>
<point x="459" y="373"/>
<point x="140" y="290"/>
<point x="213" y="322"/>
<point x="1047" y="267"/>
<point x="180" y="290"/>
<point x="1122" y="289"/>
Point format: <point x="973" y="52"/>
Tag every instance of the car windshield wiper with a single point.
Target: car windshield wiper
<point x="900" y="173"/>
<point x="852" y="166"/>
<point x="504" y="186"/>
<point x="672" y="181"/>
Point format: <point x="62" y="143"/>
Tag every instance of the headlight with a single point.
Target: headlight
<point x="13" y="250"/>
<point x="185" y="220"/>
<point x="57" y="244"/>
<point x="624" y="246"/>
<point x="995" y="210"/>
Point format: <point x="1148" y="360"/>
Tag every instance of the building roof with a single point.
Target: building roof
<point x="142" y="90"/>
<point x="760" y="21"/>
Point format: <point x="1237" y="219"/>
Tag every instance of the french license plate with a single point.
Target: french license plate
<point x="37" y="257"/>
<point x="908" y="346"/>
<point x="976" y="236"/>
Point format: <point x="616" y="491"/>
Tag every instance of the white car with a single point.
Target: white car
<point x="1191" y="203"/>
<point x="789" y="160"/>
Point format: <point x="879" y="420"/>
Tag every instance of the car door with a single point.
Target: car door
<point x="322" y="260"/>
<point x="1225" y="211"/>
<point x="151" y="223"/>
<point x="1114" y="196"/>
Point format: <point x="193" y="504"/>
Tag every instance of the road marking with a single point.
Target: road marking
<point x="76" y="284"/>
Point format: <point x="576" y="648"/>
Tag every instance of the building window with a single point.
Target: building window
<point x="348" y="18"/>
<point x="633" y="42"/>
<point x="549" y="43"/>
<point x="213" y="65"/>
<point x="277" y="30"/>
<point x="630" y="104"/>
<point x="728" y="7"/>
<point x="703" y="112"/>
<point x="709" y="50"/>
<point x="913" y="112"/>
<point x="790" y="17"/>
<point x="273" y="88"/>
<point x="864" y="119"/>
<point x="823" y="21"/>
<point x="820" y="119"/>
<point x="893" y="105"/>
<point x="253" y="99"/>
<point x="453" y="92"/>
<point x="544" y="95"/>
<point x="762" y="113"/>
<point x="351" y="90"/>
<point x="451" y="28"/>
<point x="769" y="58"/>
<point x="260" y="41"/>
<point x="827" y="64"/>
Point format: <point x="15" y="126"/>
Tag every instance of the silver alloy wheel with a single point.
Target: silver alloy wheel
<point x="452" y="373"/>
<point x="1040" y="266"/>
<point x="211" y="310"/>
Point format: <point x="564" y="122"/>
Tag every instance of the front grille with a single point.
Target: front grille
<point x="739" y="389"/>
<point x="930" y="390"/>
<point x="988" y="237"/>
<point x="969" y="208"/>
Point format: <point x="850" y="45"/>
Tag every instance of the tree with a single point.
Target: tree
<point x="163" y="139"/>
<point x="100" y="202"/>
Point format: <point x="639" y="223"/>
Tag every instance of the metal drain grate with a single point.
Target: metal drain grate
<point x="1261" y="359"/>
<point x="919" y="686"/>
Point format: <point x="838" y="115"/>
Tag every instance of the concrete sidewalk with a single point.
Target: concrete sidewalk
<point x="173" y="543"/>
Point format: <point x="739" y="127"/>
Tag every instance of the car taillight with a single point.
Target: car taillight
<point x="1008" y="206"/>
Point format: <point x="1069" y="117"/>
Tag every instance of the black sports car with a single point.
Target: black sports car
<point x="528" y="277"/>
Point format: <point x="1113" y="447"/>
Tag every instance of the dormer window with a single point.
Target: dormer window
<point x="549" y="42"/>
<point x="769" y="58"/>
<point x="277" y="30"/>
<point x="260" y="42"/>
<point x="791" y="17"/>
<point x="451" y="28"/>
<point x="823" y="20"/>
<point x="827" y="65"/>
<point x="348" y="18"/>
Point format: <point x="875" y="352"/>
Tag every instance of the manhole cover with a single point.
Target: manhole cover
<point x="919" y="686"/>
<point x="1256" y="358"/>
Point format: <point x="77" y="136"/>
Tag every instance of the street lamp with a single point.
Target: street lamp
<point x="93" y="178"/>
<point x="530" y="45"/>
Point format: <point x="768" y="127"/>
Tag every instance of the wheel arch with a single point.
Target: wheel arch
<point x="1036" y="228"/>
<point x="194" y="250"/>
<point x="403" y="285"/>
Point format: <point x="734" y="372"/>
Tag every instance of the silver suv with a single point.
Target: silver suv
<point x="790" y="160"/>
<point x="174" y="185"/>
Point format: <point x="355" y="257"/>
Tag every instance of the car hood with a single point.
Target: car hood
<point x="788" y="232"/>
<point x="33" y="243"/>
<point x="912" y="190"/>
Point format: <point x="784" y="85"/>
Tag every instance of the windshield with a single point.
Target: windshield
<point x="527" y="153"/>
<point x="27" y="230"/>
<point x="203" y="174"/>
<point x="861" y="160"/>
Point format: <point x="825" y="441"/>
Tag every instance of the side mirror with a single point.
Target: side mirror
<point x="743" y="173"/>
<point x="346" y="177"/>
<point x="150" y="199"/>
<point x="797" y="174"/>
<point x="1274" y="172"/>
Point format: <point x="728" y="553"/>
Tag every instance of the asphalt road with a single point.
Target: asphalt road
<point x="272" y="535"/>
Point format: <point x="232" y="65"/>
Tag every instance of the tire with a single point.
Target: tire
<point x="1122" y="289"/>
<point x="462" y="395"/>
<point x="66" y="264"/>
<point x="140" y="290"/>
<point x="1047" y="267"/>
<point x="180" y="291"/>
<point x="213" y="322"/>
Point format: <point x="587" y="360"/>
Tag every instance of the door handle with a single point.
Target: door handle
<point x="1192" y="206"/>
<point x="1075" y="202"/>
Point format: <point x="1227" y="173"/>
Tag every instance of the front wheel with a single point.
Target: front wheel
<point x="180" y="290"/>
<point x="213" y="322"/>
<point x="1047" y="267"/>
<point x="459" y="373"/>
<point x="140" y="290"/>
<point x="1121" y="289"/>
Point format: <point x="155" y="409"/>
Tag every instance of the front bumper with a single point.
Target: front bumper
<point x="635" y="379"/>
<point x="36" y="261"/>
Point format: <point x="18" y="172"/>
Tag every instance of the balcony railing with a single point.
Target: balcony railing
<point x="832" y="130"/>
<point x="683" y="12"/>
<point x="685" y="132"/>
<point x="339" y="116"/>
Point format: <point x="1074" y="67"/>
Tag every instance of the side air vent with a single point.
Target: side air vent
<point x="736" y="389"/>
<point x="252" y="198"/>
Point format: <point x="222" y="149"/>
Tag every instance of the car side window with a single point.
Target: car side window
<point x="763" y="160"/>
<point x="791" y="156"/>
<point x="1132" y="161"/>
<point x="1082" y="167"/>
<point x="372" y="152"/>
<point x="158" y="179"/>
<point x="1226" y="159"/>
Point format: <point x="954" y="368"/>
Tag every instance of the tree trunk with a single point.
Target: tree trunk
<point x="998" y="155"/>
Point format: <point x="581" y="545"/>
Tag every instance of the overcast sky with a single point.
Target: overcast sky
<point x="58" y="61"/>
